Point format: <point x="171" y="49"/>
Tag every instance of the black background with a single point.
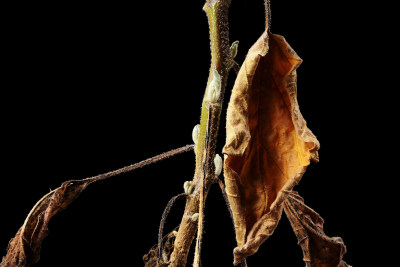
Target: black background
<point x="92" y="87"/>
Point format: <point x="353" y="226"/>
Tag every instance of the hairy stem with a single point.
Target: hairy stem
<point x="162" y="223"/>
<point x="139" y="164"/>
<point x="217" y="13"/>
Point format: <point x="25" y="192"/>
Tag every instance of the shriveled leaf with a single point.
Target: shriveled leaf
<point x="24" y="249"/>
<point x="268" y="144"/>
<point x="153" y="257"/>
<point x="319" y="250"/>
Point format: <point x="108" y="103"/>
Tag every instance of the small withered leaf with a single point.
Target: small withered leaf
<point x="319" y="250"/>
<point x="268" y="145"/>
<point x="153" y="259"/>
<point x="24" y="249"/>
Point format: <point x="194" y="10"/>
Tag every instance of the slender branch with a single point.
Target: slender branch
<point x="208" y="170"/>
<point x="267" y="14"/>
<point x="223" y="191"/>
<point x="221" y="61"/>
<point x="162" y="223"/>
<point x="139" y="164"/>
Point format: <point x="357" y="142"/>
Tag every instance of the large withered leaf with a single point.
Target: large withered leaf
<point x="319" y="250"/>
<point x="268" y="144"/>
<point x="24" y="249"/>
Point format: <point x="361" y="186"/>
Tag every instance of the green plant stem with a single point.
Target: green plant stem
<point x="217" y="13"/>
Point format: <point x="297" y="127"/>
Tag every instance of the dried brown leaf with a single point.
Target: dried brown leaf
<point x="153" y="257"/>
<point x="24" y="249"/>
<point x="268" y="144"/>
<point x="319" y="250"/>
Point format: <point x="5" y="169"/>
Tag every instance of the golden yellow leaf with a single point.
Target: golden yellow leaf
<point x="268" y="146"/>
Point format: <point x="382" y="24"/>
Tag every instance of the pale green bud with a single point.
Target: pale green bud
<point x="214" y="89"/>
<point x="234" y="49"/>
<point x="195" y="217"/>
<point x="188" y="187"/>
<point x="196" y="133"/>
<point x="218" y="164"/>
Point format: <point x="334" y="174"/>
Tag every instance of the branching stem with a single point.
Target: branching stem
<point x="221" y="61"/>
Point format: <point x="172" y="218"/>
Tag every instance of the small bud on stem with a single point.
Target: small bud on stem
<point x="214" y="89"/>
<point x="218" y="164"/>
<point x="188" y="187"/>
<point x="195" y="217"/>
<point x="234" y="49"/>
<point x="195" y="133"/>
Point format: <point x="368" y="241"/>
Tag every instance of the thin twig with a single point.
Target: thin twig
<point x="236" y="67"/>
<point x="222" y="187"/>
<point x="162" y="223"/>
<point x="268" y="14"/>
<point x="139" y="164"/>
<point x="200" y="226"/>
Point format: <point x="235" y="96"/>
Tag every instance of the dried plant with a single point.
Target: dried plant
<point x="268" y="148"/>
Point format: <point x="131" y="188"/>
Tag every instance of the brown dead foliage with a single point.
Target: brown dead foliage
<point x="24" y="249"/>
<point x="154" y="258"/>
<point x="319" y="250"/>
<point x="268" y="146"/>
